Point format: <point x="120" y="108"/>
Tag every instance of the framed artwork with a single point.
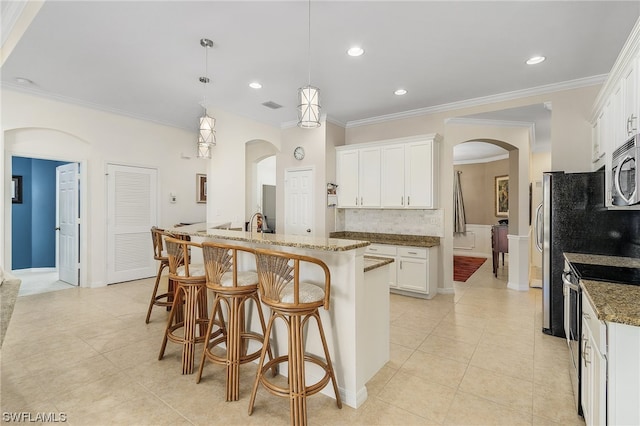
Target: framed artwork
<point x="502" y="196"/>
<point x="16" y="189"/>
<point x="201" y="188"/>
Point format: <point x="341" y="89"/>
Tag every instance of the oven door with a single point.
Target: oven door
<point x="572" y="329"/>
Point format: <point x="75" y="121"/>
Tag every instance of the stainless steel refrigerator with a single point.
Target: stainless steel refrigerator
<point x="573" y="218"/>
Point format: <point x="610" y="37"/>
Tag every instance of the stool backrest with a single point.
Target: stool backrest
<point x="220" y="259"/>
<point x="157" y="239"/>
<point x="277" y="269"/>
<point x="158" y="245"/>
<point x="179" y="253"/>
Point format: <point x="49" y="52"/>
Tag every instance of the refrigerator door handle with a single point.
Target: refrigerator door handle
<point x="538" y="229"/>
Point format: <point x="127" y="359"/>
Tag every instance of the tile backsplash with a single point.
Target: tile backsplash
<point x="388" y="221"/>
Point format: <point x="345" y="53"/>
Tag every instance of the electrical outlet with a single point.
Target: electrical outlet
<point x="172" y="198"/>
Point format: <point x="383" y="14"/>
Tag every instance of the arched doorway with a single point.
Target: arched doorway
<point x="260" y="179"/>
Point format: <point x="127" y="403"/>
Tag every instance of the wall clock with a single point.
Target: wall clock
<point x="298" y="153"/>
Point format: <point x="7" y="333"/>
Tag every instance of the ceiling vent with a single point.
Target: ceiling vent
<point x="272" y="105"/>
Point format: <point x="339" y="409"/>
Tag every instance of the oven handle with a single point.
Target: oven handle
<point x="567" y="283"/>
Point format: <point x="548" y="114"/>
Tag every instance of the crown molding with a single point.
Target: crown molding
<point x="507" y="96"/>
<point x="488" y="122"/>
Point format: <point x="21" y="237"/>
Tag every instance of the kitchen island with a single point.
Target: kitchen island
<point x="357" y="323"/>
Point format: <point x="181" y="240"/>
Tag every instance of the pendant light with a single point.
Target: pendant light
<point x="309" y="96"/>
<point x="207" y="130"/>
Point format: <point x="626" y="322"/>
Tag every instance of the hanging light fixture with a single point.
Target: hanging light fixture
<point x="207" y="130"/>
<point x="309" y="96"/>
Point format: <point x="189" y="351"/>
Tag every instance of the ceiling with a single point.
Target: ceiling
<point x="143" y="58"/>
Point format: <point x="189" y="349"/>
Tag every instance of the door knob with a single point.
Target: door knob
<point x="57" y="228"/>
<point x="309" y="230"/>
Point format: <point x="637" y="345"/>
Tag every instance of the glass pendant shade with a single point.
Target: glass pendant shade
<point x="204" y="150"/>
<point x="207" y="132"/>
<point x="308" y="107"/>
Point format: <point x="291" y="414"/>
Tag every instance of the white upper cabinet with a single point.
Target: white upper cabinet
<point x="420" y="174"/>
<point x="369" y="177"/>
<point x="630" y="87"/>
<point x="392" y="192"/>
<point x="358" y="177"/>
<point x="395" y="174"/>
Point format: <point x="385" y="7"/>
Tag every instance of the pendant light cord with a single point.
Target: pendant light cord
<point x="309" y="52"/>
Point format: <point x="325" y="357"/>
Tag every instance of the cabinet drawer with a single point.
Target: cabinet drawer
<point x="381" y="249"/>
<point x="412" y="252"/>
<point x="597" y="327"/>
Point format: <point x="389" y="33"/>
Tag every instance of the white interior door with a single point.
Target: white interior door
<point x="131" y="212"/>
<point x="298" y="202"/>
<point x="68" y="219"/>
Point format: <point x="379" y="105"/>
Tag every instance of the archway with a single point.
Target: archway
<point x="481" y="168"/>
<point x="516" y="140"/>
<point x="260" y="169"/>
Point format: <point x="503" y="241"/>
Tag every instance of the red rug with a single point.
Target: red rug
<point x="465" y="266"/>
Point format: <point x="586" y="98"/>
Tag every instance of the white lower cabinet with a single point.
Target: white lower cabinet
<point x="415" y="272"/>
<point x="610" y="370"/>
<point x="594" y="366"/>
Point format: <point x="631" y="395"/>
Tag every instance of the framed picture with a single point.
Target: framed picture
<point x="201" y="188"/>
<point x="16" y="189"/>
<point x="502" y="196"/>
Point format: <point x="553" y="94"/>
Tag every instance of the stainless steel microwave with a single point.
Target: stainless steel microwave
<point x="624" y="177"/>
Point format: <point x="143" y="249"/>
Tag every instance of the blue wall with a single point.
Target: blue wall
<point x="34" y="221"/>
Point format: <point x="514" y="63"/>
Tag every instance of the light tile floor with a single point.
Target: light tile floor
<point x="477" y="357"/>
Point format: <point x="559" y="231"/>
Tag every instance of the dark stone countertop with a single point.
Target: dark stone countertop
<point x="374" y="262"/>
<point x="613" y="302"/>
<point x="394" y="239"/>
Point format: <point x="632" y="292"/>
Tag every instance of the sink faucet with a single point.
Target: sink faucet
<point x="258" y="223"/>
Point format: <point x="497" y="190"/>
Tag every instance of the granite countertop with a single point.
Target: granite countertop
<point x="613" y="302"/>
<point x="208" y="230"/>
<point x="373" y="262"/>
<point x="395" y="239"/>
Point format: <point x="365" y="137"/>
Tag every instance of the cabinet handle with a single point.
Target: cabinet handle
<point x="372" y="249"/>
<point x="402" y="200"/>
<point x="630" y="128"/>
<point x="412" y="252"/>
<point x="586" y="315"/>
<point x="361" y="202"/>
<point x="356" y="201"/>
<point x="408" y="200"/>
<point x="401" y="264"/>
<point x="584" y="351"/>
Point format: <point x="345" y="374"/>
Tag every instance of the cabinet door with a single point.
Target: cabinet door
<point x="419" y="175"/>
<point x="586" y="379"/>
<point x="630" y="100"/>
<point x="369" y="177"/>
<point x="412" y="274"/>
<point x="392" y="189"/>
<point x="347" y="178"/>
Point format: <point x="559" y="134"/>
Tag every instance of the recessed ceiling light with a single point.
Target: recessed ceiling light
<point x="535" y="60"/>
<point x="255" y="85"/>
<point x="355" y="51"/>
<point x="400" y="92"/>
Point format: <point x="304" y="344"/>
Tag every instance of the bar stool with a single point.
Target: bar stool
<point x="159" y="254"/>
<point x="295" y="302"/>
<point x="190" y="291"/>
<point x="233" y="288"/>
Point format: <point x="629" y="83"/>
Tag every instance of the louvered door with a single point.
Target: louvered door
<point x="131" y="211"/>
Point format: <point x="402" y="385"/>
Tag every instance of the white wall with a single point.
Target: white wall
<point x="39" y="127"/>
<point x="226" y="178"/>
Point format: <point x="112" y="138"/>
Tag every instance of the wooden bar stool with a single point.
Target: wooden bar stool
<point x="233" y="288"/>
<point x="159" y="254"/>
<point x="295" y="302"/>
<point x="188" y="318"/>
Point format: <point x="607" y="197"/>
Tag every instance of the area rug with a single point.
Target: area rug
<point x="465" y="266"/>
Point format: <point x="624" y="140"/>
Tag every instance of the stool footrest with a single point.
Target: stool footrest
<point x="285" y="392"/>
